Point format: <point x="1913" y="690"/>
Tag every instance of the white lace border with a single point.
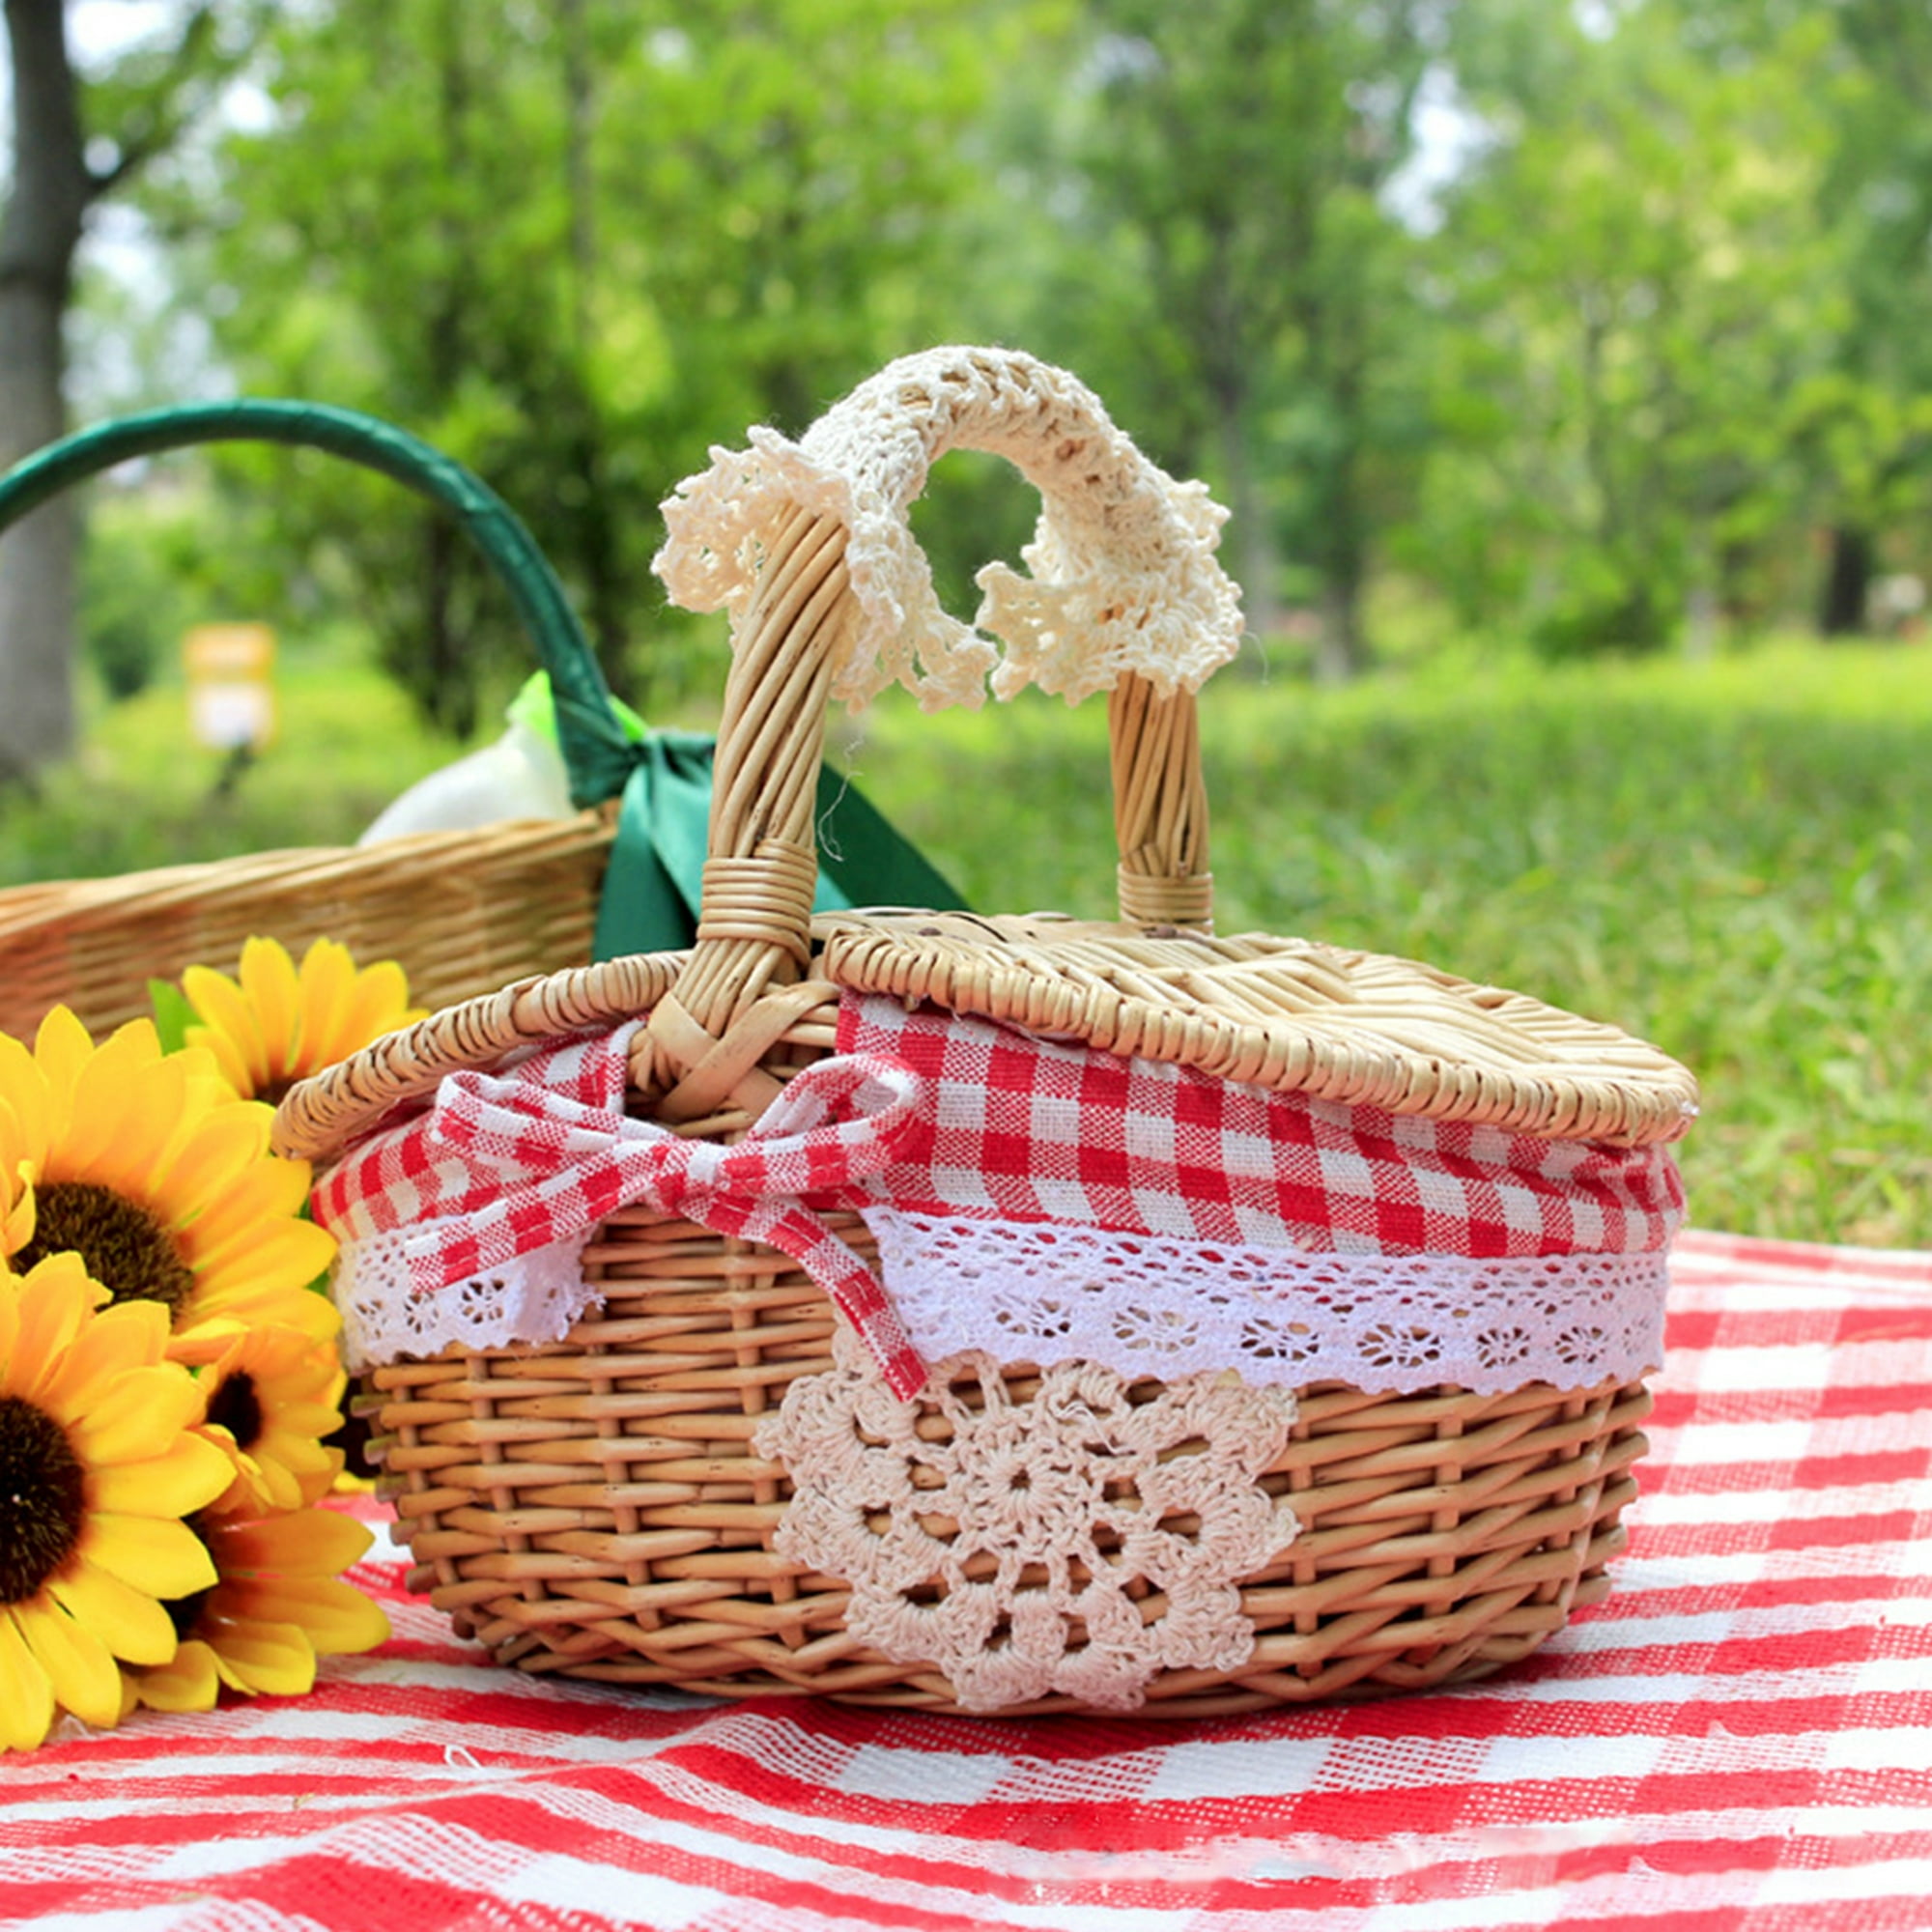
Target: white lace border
<point x="1141" y="1305"/>
<point x="1155" y="1306"/>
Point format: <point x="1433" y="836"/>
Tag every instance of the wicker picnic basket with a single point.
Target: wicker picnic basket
<point x="717" y="1479"/>
<point x="462" y="911"/>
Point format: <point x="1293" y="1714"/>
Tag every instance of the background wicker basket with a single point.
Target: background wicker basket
<point x="463" y="911"/>
<point x="600" y="1508"/>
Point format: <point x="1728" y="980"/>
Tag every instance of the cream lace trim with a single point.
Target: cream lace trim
<point x="536" y="1298"/>
<point x="1152" y="1305"/>
<point x="1138" y="1305"/>
<point x="1123" y="571"/>
<point x="1020" y="1554"/>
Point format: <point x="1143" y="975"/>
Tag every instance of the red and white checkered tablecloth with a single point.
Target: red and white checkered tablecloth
<point x="1740" y="1740"/>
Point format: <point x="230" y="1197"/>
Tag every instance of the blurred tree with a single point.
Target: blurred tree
<point x="1870" y="424"/>
<point x="1861" y="422"/>
<point x="1650" y="349"/>
<point x="1234" y="162"/>
<point x="73" y="143"/>
<point x="1640" y="288"/>
<point x="575" y="244"/>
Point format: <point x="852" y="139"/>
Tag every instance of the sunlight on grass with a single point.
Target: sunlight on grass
<point x="1729" y="858"/>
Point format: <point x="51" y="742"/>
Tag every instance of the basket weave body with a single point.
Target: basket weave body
<point x="602" y="1506"/>
<point x="460" y="910"/>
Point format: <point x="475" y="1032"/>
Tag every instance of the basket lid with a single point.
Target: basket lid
<point x="1356" y="1028"/>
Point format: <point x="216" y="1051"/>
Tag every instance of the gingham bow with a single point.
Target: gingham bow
<point x="558" y="1166"/>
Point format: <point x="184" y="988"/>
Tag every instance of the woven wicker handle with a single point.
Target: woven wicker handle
<point x="596" y="753"/>
<point x="806" y="545"/>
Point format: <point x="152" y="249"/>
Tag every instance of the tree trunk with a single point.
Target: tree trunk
<point x="38" y="238"/>
<point x="1343" y="650"/>
<point x="1841" y="610"/>
<point x="594" y="526"/>
<point x="1258" y="565"/>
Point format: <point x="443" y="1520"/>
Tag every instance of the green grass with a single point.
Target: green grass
<point x="1730" y="859"/>
<point x="142" y="793"/>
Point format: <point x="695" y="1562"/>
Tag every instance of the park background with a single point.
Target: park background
<point x="1565" y="369"/>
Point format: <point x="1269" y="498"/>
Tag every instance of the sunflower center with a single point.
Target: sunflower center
<point x="43" y="1498"/>
<point x="126" y="1249"/>
<point x="238" y="1409"/>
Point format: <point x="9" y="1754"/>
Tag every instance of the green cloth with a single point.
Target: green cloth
<point x="657" y="864"/>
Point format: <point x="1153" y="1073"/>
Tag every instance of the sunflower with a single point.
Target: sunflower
<point x="147" y="1166"/>
<point x="278" y="1025"/>
<point x="272" y="1395"/>
<point x="98" y="1465"/>
<point x="276" y="1607"/>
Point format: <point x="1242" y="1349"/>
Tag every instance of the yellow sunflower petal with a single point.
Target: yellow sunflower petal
<point x="299" y="1468"/>
<point x="150" y="1552"/>
<point x="206" y="1343"/>
<point x="259" y="1189"/>
<point x="204" y="1332"/>
<point x="215" y="1159"/>
<point x="84" y="1676"/>
<point x="28" y="1101"/>
<point x="26" y="1693"/>
<point x="318" y="1414"/>
<point x="296" y="1370"/>
<point x="52" y="1304"/>
<point x="328" y="986"/>
<point x="63" y="1046"/>
<point x="189" y="1477"/>
<point x="308" y="1543"/>
<point x="317" y="1483"/>
<point x="140" y="1415"/>
<point x="226" y="1055"/>
<point x="165" y="1110"/>
<point x="276" y="1660"/>
<point x="252" y="1278"/>
<point x="123" y="1105"/>
<point x="232" y="1032"/>
<point x="131" y="1335"/>
<point x="268" y="980"/>
<point x="16" y="1198"/>
<point x="376" y="1003"/>
<point x="336" y="1618"/>
<point x="128" y="1621"/>
<point x="260" y="1482"/>
<point x="295" y="1434"/>
<point x="188" y="1681"/>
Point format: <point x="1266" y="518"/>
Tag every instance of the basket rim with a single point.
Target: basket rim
<point x="1182" y="997"/>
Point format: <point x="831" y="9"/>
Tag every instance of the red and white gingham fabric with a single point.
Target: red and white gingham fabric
<point x="929" y="1112"/>
<point x="1739" y="1740"/>
<point x="504" y="1165"/>
<point x="1030" y="1131"/>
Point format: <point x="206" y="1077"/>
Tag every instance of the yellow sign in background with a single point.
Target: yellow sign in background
<point x="231" y="698"/>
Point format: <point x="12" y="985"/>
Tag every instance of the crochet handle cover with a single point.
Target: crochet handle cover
<point x="808" y="546"/>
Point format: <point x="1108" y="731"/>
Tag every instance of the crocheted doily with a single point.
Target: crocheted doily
<point x="1123" y="571"/>
<point x="1020" y="1554"/>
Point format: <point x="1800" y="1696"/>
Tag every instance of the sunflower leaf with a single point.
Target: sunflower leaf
<point x="173" y="1015"/>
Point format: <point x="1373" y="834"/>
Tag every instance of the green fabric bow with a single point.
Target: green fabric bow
<point x="657" y="864"/>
